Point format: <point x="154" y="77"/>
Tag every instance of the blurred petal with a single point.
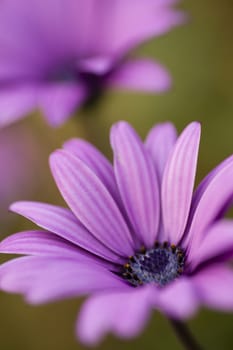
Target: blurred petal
<point x="137" y="182"/>
<point x="141" y="75"/>
<point x="97" y="65"/>
<point x="91" y="202"/>
<point x="62" y="222"/>
<point x="15" y="103"/>
<point x="214" y="286"/>
<point x="124" y="314"/>
<point x="178" y="182"/>
<point x="214" y="194"/>
<point x="42" y="279"/>
<point x="218" y="239"/>
<point x="159" y="143"/>
<point x="166" y="2"/>
<point x="178" y="300"/>
<point x="59" y="101"/>
<point x="133" y="26"/>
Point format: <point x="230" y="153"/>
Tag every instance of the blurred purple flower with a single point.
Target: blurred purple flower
<point x="95" y="247"/>
<point x="57" y="54"/>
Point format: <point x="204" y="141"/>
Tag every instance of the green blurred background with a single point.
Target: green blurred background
<point x="199" y="56"/>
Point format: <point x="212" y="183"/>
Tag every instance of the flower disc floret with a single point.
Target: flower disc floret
<point x="160" y="265"/>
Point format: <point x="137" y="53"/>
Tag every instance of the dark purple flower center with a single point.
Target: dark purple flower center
<point x="63" y="73"/>
<point x="160" y="265"/>
<point x="70" y="73"/>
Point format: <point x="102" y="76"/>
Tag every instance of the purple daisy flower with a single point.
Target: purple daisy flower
<point x="135" y="237"/>
<point x="56" y="55"/>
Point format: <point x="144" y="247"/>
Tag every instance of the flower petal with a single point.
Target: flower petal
<point x="15" y="103"/>
<point x="91" y="202"/>
<point x="97" y="65"/>
<point x="137" y="182"/>
<point x="62" y="222"/>
<point x="96" y="161"/>
<point x="140" y="75"/>
<point x="178" y="182"/>
<point x="159" y="143"/>
<point x="41" y="243"/>
<point x="124" y="314"/>
<point x="214" y="286"/>
<point x="59" y="101"/>
<point x="213" y="195"/>
<point x="42" y="279"/>
<point x="148" y="19"/>
<point x="218" y="240"/>
<point x="178" y="300"/>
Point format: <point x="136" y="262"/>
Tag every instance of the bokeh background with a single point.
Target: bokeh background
<point x="199" y="56"/>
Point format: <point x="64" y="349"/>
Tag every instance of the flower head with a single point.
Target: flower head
<point x="135" y="236"/>
<point x="57" y="54"/>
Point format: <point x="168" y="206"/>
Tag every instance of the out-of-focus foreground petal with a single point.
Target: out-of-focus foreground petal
<point x="42" y="279"/>
<point x="122" y="313"/>
<point x="178" y="300"/>
<point x="214" y="286"/>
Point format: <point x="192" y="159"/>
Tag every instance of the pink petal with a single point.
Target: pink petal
<point x="57" y="30"/>
<point x="214" y="286"/>
<point x="159" y="143"/>
<point x="91" y="202"/>
<point x="178" y="182"/>
<point x="137" y="182"/>
<point x="15" y="103"/>
<point x="96" y="65"/>
<point x="201" y="189"/>
<point x="59" y="101"/>
<point x="178" y="300"/>
<point x="62" y="222"/>
<point x="148" y="19"/>
<point x="140" y="75"/>
<point x="214" y="193"/>
<point x="38" y="243"/>
<point x="41" y="243"/>
<point x="217" y="240"/>
<point x="42" y="279"/>
<point x="166" y="2"/>
<point x="96" y="161"/>
<point x="123" y="313"/>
